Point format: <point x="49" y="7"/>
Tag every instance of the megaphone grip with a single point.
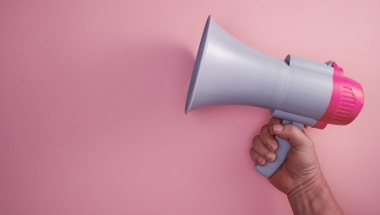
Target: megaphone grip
<point x="283" y="148"/>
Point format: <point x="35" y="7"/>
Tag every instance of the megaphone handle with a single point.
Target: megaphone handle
<point x="283" y="148"/>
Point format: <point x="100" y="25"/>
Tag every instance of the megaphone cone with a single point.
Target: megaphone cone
<point x="226" y="71"/>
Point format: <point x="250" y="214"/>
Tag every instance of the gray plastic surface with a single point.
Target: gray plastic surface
<point x="283" y="149"/>
<point x="293" y="117"/>
<point x="310" y="65"/>
<point x="227" y="71"/>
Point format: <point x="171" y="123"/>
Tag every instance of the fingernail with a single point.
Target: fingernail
<point x="271" y="132"/>
<point x="277" y="127"/>
<point x="261" y="161"/>
<point x="270" y="157"/>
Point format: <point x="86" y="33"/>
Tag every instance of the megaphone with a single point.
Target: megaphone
<point x="297" y="90"/>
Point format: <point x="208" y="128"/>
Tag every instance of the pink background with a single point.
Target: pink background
<point x="92" y="95"/>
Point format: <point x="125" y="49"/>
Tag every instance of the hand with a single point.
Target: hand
<point x="301" y="165"/>
<point x="300" y="176"/>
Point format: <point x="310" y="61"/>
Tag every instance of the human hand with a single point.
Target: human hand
<point x="301" y="165"/>
<point x="300" y="176"/>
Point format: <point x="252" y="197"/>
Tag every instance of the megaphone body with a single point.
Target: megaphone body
<point x="297" y="90"/>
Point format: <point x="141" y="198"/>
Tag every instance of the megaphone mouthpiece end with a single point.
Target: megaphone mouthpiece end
<point x="196" y="68"/>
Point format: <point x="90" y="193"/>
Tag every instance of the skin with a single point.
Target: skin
<point x="300" y="176"/>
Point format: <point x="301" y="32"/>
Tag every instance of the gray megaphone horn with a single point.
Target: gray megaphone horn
<point x="297" y="90"/>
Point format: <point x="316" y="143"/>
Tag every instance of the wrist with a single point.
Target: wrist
<point x="308" y="188"/>
<point x="313" y="197"/>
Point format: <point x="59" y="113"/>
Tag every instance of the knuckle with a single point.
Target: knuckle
<point x="260" y="149"/>
<point x="265" y="141"/>
<point x="256" y="139"/>
<point x="255" y="158"/>
<point x="257" y="146"/>
<point x="274" y="120"/>
<point x="293" y="129"/>
<point x="254" y="155"/>
<point x="252" y="152"/>
<point x="264" y="128"/>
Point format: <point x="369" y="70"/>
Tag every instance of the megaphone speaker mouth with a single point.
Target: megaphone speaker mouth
<point x="197" y="64"/>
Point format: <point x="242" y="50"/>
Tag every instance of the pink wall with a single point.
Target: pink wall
<point x="92" y="95"/>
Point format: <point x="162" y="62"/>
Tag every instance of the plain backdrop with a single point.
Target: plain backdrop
<point x="92" y="97"/>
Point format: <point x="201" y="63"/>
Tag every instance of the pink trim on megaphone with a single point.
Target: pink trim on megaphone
<point x="347" y="100"/>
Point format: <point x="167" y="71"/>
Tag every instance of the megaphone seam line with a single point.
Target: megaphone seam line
<point x="286" y="87"/>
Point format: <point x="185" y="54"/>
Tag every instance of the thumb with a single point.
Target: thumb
<point x="296" y="137"/>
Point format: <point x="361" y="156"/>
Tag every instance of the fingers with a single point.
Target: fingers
<point x="274" y="120"/>
<point x="294" y="135"/>
<point x="257" y="158"/>
<point x="265" y="145"/>
<point x="259" y="152"/>
<point x="267" y="139"/>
